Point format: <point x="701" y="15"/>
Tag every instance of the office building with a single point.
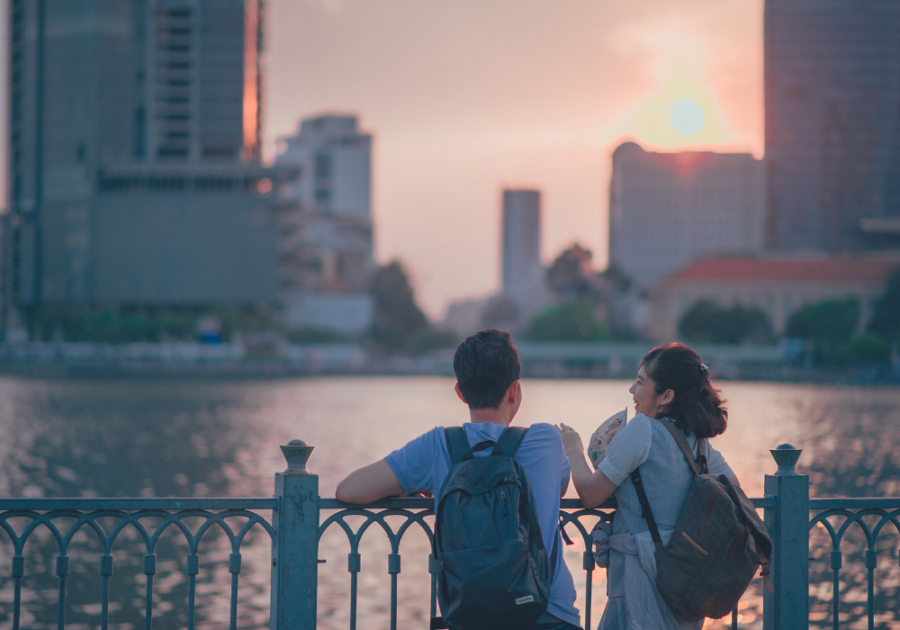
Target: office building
<point x="523" y="273"/>
<point x="329" y="243"/>
<point x="134" y="144"/>
<point x="832" y="104"/>
<point x="666" y="209"/>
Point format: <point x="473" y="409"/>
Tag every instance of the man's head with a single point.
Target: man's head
<point x="486" y="364"/>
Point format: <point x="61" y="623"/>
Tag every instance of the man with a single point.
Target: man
<point x="487" y="373"/>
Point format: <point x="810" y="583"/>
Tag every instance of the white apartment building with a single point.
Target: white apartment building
<point x="328" y="238"/>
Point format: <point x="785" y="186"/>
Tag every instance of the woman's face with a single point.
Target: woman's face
<point x="646" y="400"/>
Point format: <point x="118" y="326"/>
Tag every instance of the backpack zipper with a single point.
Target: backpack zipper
<point x="503" y="496"/>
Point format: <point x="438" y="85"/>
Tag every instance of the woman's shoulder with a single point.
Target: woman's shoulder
<point x="638" y="429"/>
<point x="640" y="421"/>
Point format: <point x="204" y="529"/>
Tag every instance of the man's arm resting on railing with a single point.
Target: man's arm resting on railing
<point x="369" y="483"/>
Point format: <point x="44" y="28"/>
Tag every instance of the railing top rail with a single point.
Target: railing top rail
<point x="168" y="503"/>
<point x="853" y="503"/>
<point x="414" y="503"/>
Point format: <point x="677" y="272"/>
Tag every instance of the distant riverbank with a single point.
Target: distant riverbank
<point x="278" y="358"/>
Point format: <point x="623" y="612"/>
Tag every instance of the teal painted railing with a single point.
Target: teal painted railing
<point x="299" y="517"/>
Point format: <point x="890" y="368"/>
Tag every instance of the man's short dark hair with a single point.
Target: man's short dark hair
<point x="486" y="364"/>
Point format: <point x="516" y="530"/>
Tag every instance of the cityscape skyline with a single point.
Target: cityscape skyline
<point x="492" y="110"/>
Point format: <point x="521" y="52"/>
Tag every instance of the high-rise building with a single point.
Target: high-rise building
<point x="134" y="147"/>
<point x="330" y="245"/>
<point x="337" y="159"/>
<point x="523" y="272"/>
<point x="666" y="209"/>
<point x="832" y="102"/>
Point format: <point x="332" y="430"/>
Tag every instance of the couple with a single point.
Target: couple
<point x="672" y="383"/>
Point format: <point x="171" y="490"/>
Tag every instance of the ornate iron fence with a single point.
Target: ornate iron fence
<point x="297" y="523"/>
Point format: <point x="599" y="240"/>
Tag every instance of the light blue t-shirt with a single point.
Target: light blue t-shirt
<point x="424" y="463"/>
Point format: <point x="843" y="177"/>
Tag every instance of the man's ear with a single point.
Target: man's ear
<point x="459" y="393"/>
<point x="514" y="391"/>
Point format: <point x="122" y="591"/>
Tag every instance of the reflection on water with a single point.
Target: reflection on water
<point x="130" y="437"/>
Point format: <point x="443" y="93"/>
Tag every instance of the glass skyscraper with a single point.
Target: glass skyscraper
<point x="832" y="104"/>
<point x="134" y="147"/>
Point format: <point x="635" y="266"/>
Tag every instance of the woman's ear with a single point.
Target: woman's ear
<point x="666" y="398"/>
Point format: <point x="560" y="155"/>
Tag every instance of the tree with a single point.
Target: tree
<point x="707" y="322"/>
<point x="573" y="321"/>
<point x="828" y="327"/>
<point x="886" y="320"/>
<point x="399" y="324"/>
<point x="828" y="322"/>
<point x="570" y="277"/>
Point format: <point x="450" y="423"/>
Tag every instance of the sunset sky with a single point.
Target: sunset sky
<point x="470" y="96"/>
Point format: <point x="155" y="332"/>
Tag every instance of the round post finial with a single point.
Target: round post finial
<point x="297" y="453"/>
<point x="786" y="456"/>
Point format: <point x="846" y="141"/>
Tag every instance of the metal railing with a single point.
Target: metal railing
<point x="297" y="524"/>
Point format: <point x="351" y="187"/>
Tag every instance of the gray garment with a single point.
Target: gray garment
<point x="667" y="480"/>
<point x="634" y="601"/>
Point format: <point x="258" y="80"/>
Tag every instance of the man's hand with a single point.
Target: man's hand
<point x="370" y="483"/>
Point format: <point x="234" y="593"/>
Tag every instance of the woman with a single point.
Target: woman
<point x="672" y="385"/>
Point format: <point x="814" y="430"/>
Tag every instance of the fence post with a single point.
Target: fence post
<point x="788" y="523"/>
<point x="295" y="552"/>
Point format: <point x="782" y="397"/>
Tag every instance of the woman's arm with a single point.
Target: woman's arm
<point x="593" y="487"/>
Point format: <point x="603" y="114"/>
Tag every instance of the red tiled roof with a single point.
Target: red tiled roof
<point x="826" y="269"/>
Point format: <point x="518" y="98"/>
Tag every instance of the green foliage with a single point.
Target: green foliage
<point x="870" y="348"/>
<point x="117" y="325"/>
<point x="573" y="321"/>
<point x="707" y="322"/>
<point x="829" y="322"/>
<point x="111" y="325"/>
<point x="399" y="324"/>
<point x="313" y="335"/>
<point x="886" y="320"/>
<point x="828" y="329"/>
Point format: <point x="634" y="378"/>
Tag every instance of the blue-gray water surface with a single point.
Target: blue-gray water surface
<point x="83" y="437"/>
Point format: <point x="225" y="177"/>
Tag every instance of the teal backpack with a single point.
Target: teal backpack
<point x="493" y="569"/>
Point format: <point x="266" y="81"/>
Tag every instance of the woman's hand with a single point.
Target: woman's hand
<point x="570" y="438"/>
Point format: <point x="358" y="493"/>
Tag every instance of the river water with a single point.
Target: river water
<point x="170" y="437"/>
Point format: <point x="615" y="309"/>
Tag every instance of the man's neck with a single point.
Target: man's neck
<point x="494" y="416"/>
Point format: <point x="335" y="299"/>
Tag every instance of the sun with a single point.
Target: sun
<point x="686" y="116"/>
<point x="683" y="111"/>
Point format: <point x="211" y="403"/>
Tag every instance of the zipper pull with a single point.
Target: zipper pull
<point x="503" y="496"/>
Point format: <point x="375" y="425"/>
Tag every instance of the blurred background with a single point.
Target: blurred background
<point x="336" y="185"/>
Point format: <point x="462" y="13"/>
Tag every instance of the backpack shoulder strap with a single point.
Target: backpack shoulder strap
<point x="646" y="512"/>
<point x="682" y="444"/>
<point x="457" y="444"/>
<point x="509" y="441"/>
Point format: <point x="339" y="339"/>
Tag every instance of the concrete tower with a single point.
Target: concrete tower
<point x="522" y="268"/>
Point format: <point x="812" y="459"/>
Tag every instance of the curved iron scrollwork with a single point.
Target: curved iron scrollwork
<point x="133" y="520"/>
<point x="415" y="512"/>
<point x="852" y="517"/>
